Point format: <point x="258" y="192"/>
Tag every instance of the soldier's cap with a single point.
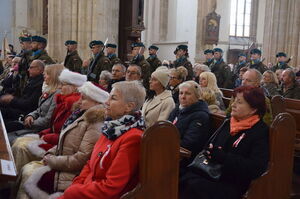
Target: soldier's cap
<point x="242" y="55"/>
<point x="39" y="39"/>
<point x="70" y="42"/>
<point x="181" y="47"/>
<point x="111" y="45"/>
<point x="137" y="44"/>
<point x="208" y="51"/>
<point x="153" y="47"/>
<point x="95" y="42"/>
<point x="281" y="54"/>
<point x="217" y="50"/>
<point x="24" y="39"/>
<point x="255" y="51"/>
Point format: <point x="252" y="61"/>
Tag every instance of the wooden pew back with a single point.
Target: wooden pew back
<point x="227" y="93"/>
<point x="159" y="163"/>
<point x="276" y="182"/>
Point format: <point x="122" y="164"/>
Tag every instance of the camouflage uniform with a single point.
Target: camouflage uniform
<point x="208" y="63"/>
<point x="183" y="61"/>
<point x="114" y="59"/>
<point x="280" y="66"/>
<point x="223" y="74"/>
<point x="73" y="62"/>
<point x="97" y="65"/>
<point x="154" y="63"/>
<point x="258" y="66"/>
<point x="43" y="56"/>
<point x="145" y="66"/>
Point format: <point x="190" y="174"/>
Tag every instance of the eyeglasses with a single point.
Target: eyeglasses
<point x="117" y="71"/>
<point x="131" y="72"/>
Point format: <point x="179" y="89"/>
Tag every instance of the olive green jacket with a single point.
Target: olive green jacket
<point x="73" y="62"/>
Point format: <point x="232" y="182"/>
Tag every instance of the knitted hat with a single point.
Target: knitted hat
<point x="73" y="78"/>
<point x="162" y="75"/>
<point x="94" y="92"/>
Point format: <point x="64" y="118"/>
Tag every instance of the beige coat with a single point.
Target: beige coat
<point x="76" y="142"/>
<point x="158" y="108"/>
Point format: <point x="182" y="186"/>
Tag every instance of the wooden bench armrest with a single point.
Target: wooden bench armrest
<point x="185" y="153"/>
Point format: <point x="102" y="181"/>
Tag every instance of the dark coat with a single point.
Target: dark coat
<point x="73" y="62"/>
<point x="154" y="63"/>
<point x="114" y="60"/>
<point x="241" y="164"/>
<point x="223" y="74"/>
<point x="280" y="66"/>
<point x="293" y="92"/>
<point x="183" y="61"/>
<point x="258" y="66"/>
<point x="97" y="65"/>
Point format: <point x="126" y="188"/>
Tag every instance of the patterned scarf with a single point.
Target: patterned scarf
<point x="113" y="129"/>
<point x="74" y="116"/>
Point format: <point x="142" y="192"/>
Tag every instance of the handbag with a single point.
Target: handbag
<point x="204" y="166"/>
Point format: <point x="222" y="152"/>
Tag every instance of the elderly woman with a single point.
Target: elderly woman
<point x="104" y="79"/>
<point x="77" y="139"/>
<point x="40" y="118"/>
<point x="198" y="69"/>
<point x="177" y="76"/>
<point x="113" y="167"/>
<point x="241" y="147"/>
<point x="270" y="82"/>
<point x="191" y="117"/>
<point x="159" y="103"/>
<point x="208" y="79"/>
<point x="33" y="147"/>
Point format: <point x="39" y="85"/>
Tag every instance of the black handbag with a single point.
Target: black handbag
<point x="204" y="166"/>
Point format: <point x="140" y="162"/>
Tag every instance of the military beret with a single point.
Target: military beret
<point x="24" y="39"/>
<point x="70" y="42"/>
<point x="95" y="42"/>
<point x="181" y="47"/>
<point x="153" y="47"/>
<point x="111" y="45"/>
<point x="255" y="51"/>
<point x="217" y="50"/>
<point x="281" y="54"/>
<point x="242" y="55"/>
<point x="208" y="51"/>
<point x="138" y="44"/>
<point x="38" y="39"/>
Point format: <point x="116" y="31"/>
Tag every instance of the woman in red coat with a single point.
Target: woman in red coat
<point x="113" y="167"/>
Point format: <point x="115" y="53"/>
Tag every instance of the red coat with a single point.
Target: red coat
<point x="111" y="171"/>
<point x="62" y="111"/>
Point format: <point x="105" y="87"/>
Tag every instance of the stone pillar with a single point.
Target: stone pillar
<point x="282" y="27"/>
<point x="204" y="7"/>
<point x="81" y="20"/>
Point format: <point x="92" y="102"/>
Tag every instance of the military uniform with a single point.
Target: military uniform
<point x="73" y="62"/>
<point x="98" y="64"/>
<point x="280" y="66"/>
<point x="114" y="59"/>
<point x="183" y="61"/>
<point x="209" y="63"/>
<point x="223" y="74"/>
<point x="154" y="63"/>
<point x="258" y="66"/>
<point x="43" y="56"/>
<point x="145" y="66"/>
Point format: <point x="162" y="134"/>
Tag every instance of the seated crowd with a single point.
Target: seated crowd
<point x="76" y="131"/>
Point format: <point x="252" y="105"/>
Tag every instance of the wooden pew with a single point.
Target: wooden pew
<point x="227" y="93"/>
<point x="276" y="182"/>
<point x="8" y="170"/>
<point x="159" y="164"/>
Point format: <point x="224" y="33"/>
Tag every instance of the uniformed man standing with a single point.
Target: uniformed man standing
<point x="152" y="59"/>
<point x="256" y="61"/>
<point x="281" y="62"/>
<point x="209" y="57"/>
<point x="111" y="54"/>
<point x="139" y="59"/>
<point x="72" y="61"/>
<point x="182" y="54"/>
<point x="242" y="62"/>
<point x="221" y="69"/>
<point x="38" y="45"/>
<point x="98" y="62"/>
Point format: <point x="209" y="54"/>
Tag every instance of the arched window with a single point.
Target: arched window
<point x="240" y="15"/>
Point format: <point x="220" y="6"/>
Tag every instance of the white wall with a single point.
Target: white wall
<point x="6" y="20"/>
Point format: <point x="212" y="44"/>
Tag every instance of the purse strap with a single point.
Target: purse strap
<point x="216" y="133"/>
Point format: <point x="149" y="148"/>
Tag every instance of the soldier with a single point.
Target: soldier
<point x="139" y="59"/>
<point x="221" y="69"/>
<point x="152" y="59"/>
<point x="209" y="57"/>
<point x="98" y="62"/>
<point x="72" y="61"/>
<point x="281" y="62"/>
<point x="111" y="54"/>
<point x="38" y="45"/>
<point x="182" y="54"/>
<point x="242" y="61"/>
<point x="256" y="61"/>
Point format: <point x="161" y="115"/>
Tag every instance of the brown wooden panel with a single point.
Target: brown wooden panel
<point x="227" y="92"/>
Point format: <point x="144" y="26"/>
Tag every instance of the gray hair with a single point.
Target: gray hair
<point x="40" y="63"/>
<point x="291" y="73"/>
<point x="257" y="73"/>
<point x="202" y="67"/>
<point x="137" y="67"/>
<point x="193" y="86"/>
<point x="105" y="75"/>
<point x="122" y="67"/>
<point x="132" y="91"/>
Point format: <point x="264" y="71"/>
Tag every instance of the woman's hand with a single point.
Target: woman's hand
<point x="28" y="121"/>
<point x="46" y="159"/>
<point x="216" y="153"/>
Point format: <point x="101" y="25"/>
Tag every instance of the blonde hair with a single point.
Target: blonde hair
<point x="209" y="96"/>
<point x="53" y="71"/>
<point x="211" y="81"/>
<point x="193" y="86"/>
<point x="181" y="72"/>
<point x="273" y="76"/>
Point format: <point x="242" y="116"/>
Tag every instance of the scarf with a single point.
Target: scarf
<point x="113" y="129"/>
<point x="74" y="116"/>
<point x="237" y="126"/>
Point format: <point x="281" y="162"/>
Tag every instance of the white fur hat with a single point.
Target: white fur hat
<point x="162" y="75"/>
<point x="94" y="92"/>
<point x="73" y="78"/>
